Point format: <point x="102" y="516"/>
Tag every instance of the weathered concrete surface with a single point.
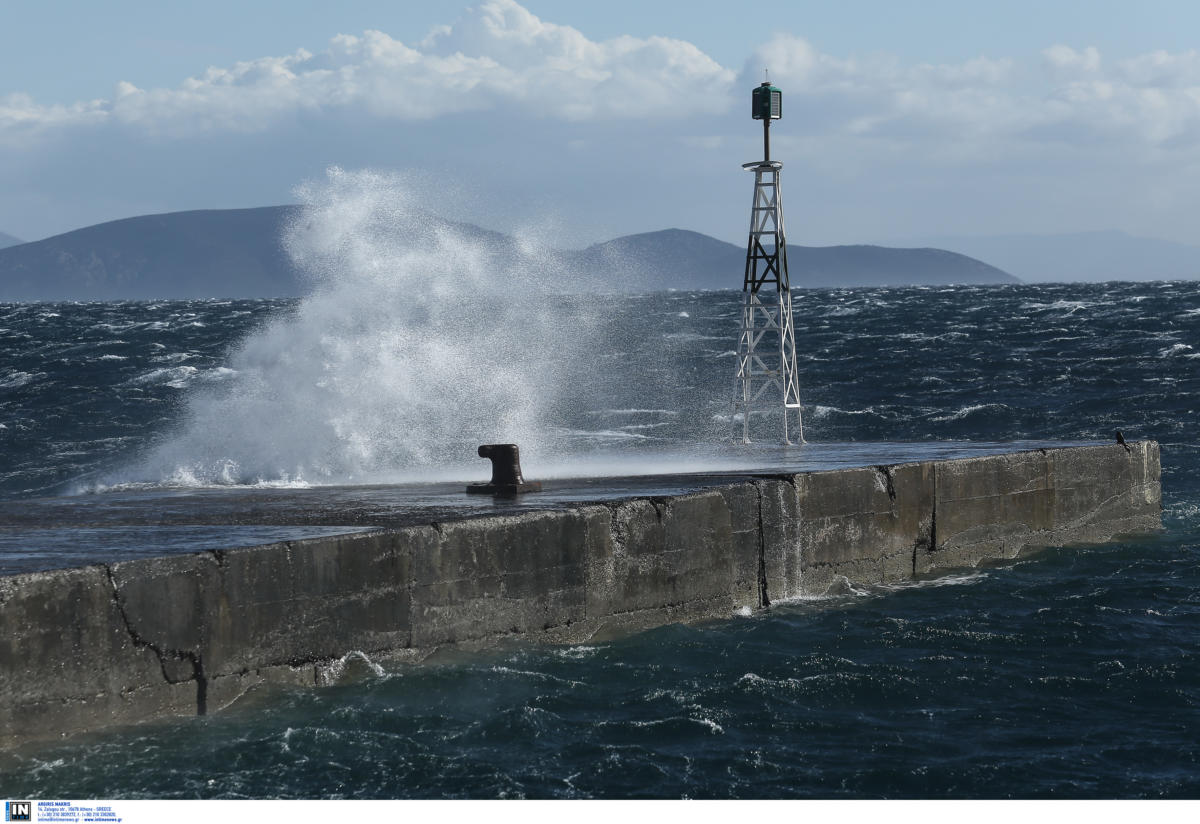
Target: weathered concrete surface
<point x="996" y="507"/>
<point x="67" y="661"/>
<point x="861" y="524"/>
<point x="483" y="578"/>
<point x="114" y="644"/>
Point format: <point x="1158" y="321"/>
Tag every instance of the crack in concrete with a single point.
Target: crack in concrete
<point x="889" y="482"/>
<point x="179" y="655"/>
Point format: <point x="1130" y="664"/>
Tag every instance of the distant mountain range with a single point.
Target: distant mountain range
<point x="8" y="240"/>
<point x="1093" y="256"/>
<point x="234" y="253"/>
<point x="676" y="258"/>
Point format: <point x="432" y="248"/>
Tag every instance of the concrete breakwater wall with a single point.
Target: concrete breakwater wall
<point x="127" y="641"/>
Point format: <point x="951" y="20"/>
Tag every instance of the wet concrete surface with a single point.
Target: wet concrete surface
<point x="120" y="524"/>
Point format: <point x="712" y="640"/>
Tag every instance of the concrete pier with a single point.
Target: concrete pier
<point x="123" y="642"/>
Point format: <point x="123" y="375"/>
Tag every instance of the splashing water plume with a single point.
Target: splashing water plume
<point x="421" y="339"/>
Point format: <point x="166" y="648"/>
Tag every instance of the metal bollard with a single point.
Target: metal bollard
<point x="506" y="472"/>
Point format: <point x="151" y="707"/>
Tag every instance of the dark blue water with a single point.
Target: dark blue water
<point x="1073" y="673"/>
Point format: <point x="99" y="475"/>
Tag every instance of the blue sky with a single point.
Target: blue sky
<point x="598" y="119"/>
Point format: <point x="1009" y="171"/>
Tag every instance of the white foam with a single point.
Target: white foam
<point x="333" y="672"/>
<point x="825" y="411"/>
<point x="969" y="410"/>
<point x="174" y="376"/>
<point x="1072" y="306"/>
<point x="576" y="652"/>
<point x="842" y="587"/>
<point x="16" y="380"/>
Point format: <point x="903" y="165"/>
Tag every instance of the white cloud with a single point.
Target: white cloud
<point x="1065" y="61"/>
<point x="22" y="120"/>
<point x="1145" y="102"/>
<point x="498" y="56"/>
<point x="1161" y="69"/>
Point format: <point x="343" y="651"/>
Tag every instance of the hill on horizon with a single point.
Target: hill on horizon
<point x="200" y="254"/>
<point x="236" y="253"/>
<point x="714" y="264"/>
<point x="1080" y="256"/>
<point x="7" y="240"/>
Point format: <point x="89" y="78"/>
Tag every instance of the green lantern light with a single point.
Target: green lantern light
<point x="767" y="102"/>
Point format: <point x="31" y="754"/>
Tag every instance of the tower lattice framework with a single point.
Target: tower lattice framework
<point x="766" y="372"/>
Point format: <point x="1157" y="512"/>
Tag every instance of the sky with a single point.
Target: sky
<point x="587" y="120"/>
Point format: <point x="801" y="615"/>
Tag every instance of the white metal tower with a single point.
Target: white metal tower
<point x="766" y="372"/>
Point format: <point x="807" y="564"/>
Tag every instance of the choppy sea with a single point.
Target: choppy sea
<point x="1071" y="673"/>
<point x="1074" y="673"/>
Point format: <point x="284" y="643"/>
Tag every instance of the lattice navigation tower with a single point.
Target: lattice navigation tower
<point x="766" y="372"/>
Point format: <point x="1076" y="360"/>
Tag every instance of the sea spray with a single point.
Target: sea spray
<point x="420" y="339"/>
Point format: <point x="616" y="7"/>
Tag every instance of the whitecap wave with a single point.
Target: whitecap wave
<point x="15" y="380"/>
<point x="969" y="410"/>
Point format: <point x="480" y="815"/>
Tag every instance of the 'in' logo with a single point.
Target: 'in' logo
<point x="18" y="811"/>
